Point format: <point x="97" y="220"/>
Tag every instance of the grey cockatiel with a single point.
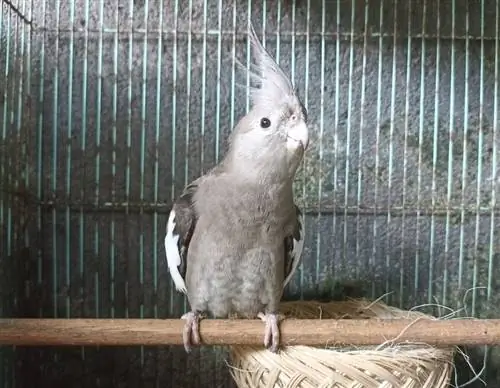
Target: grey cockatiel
<point x="234" y="236"/>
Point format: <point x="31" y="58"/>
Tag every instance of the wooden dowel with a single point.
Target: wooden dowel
<point x="313" y="332"/>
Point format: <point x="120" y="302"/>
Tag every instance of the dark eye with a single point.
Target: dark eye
<point x="265" y="123"/>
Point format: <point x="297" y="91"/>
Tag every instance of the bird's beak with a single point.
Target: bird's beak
<point x="299" y="135"/>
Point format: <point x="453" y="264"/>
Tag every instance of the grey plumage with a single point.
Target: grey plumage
<point x="234" y="236"/>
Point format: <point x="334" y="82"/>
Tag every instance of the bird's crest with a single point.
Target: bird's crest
<point x="273" y="84"/>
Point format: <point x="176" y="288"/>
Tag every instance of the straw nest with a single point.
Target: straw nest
<point x="387" y="365"/>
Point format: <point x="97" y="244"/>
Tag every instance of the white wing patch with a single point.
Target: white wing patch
<point x="298" y="246"/>
<point x="173" y="254"/>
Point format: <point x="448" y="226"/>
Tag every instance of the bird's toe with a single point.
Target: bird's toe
<point x="191" y="333"/>
<point x="267" y="336"/>
<point x="186" y="338"/>
<point x="271" y="332"/>
<point x="195" y="331"/>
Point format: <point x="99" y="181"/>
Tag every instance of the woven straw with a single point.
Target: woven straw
<point x="385" y="366"/>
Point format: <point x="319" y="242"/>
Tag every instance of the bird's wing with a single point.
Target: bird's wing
<point x="180" y="226"/>
<point x="294" y="245"/>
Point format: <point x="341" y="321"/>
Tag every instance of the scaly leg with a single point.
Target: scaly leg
<point x="271" y="332"/>
<point x="191" y="332"/>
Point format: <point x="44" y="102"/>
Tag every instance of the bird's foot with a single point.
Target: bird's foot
<point x="271" y="332"/>
<point x="191" y="332"/>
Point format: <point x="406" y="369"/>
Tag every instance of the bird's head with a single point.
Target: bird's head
<point x="276" y="125"/>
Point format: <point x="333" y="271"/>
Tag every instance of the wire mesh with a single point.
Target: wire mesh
<point x="107" y="109"/>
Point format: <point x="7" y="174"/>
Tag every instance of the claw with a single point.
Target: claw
<point x="191" y="331"/>
<point x="271" y="332"/>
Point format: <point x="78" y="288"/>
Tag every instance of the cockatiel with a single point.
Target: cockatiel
<point x="234" y="236"/>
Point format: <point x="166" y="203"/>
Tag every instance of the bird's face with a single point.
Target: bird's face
<point x="275" y="132"/>
<point x="270" y="138"/>
<point x="275" y="129"/>
<point x="294" y="126"/>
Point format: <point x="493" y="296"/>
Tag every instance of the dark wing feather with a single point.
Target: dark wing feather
<point x="180" y="226"/>
<point x="294" y="245"/>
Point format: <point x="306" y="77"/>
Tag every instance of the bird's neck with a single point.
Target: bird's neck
<point x="258" y="168"/>
<point x="295" y="157"/>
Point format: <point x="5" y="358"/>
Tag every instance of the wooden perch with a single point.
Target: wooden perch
<point x="313" y="332"/>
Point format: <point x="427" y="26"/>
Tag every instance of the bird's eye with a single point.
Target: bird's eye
<point x="294" y="117"/>
<point x="265" y="123"/>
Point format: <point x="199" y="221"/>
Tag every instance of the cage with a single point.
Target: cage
<point x="108" y="108"/>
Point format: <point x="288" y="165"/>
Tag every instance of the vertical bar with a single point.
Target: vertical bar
<point x="294" y="22"/>
<point x="233" y="69"/>
<point x="174" y="127"/>
<point x="3" y="163"/>
<point x="143" y="145"/>
<point x="4" y="126"/>
<point x="188" y="87"/>
<point x="402" y="259"/>
<point x="55" y="136"/>
<point x="388" y="264"/>
<point x="143" y="157"/>
<point x="24" y="134"/>
<point x="83" y="147"/>
<point x="219" y="60"/>
<point x="451" y="135"/>
<point x="249" y="20"/>
<point x="68" y="157"/>
<point x="129" y="130"/>
<point x="479" y="182"/>
<point x="278" y="32"/>
<point x="3" y="94"/>
<point x="7" y="128"/>
<point x="321" y="131"/>
<point x="304" y="161"/>
<point x="203" y="116"/>
<point x="377" y="139"/>
<point x="493" y="201"/>
<point x="360" y="144"/>
<point x="22" y="114"/>
<point x="420" y="139"/>
<point x="39" y="158"/>
<point x="464" y="154"/>
<point x="13" y="135"/>
<point x="349" y="128"/>
<point x="218" y="357"/>
<point x="203" y="88"/>
<point x="98" y="154"/>
<point x="159" y="74"/>
<point x="264" y="18"/>
<point x="434" y="156"/>
<point x="15" y="129"/>
<point x="336" y="119"/>
<point x="494" y="159"/>
<point x="377" y="143"/>
<point x="114" y="113"/>
<point x="172" y="291"/>
<point x="27" y="56"/>
<point x="479" y="165"/>
<point x="188" y="102"/>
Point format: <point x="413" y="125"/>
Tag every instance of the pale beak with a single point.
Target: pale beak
<point x="298" y="135"/>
